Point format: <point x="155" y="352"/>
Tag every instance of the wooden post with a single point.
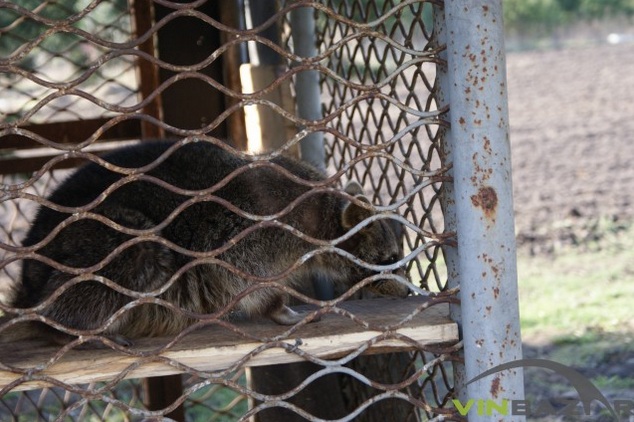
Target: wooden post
<point x="143" y="19"/>
<point x="160" y="392"/>
<point x="190" y="103"/>
<point x="231" y="15"/>
<point x="250" y="68"/>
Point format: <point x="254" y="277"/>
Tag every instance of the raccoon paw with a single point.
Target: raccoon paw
<point x="286" y="316"/>
<point x="96" y="343"/>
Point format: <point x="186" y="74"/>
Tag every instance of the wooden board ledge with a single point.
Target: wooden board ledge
<point x="215" y="348"/>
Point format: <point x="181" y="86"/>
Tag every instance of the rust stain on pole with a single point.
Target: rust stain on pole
<point x="495" y="387"/>
<point x="487" y="199"/>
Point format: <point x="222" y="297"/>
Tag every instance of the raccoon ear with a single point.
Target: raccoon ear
<point x="353" y="214"/>
<point x="354" y="188"/>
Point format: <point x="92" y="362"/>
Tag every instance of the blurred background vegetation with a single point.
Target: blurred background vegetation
<point x="547" y="14"/>
<point x="529" y="23"/>
<point x="19" y="31"/>
<point x="549" y="23"/>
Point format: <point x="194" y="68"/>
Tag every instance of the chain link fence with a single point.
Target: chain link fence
<point x="78" y="79"/>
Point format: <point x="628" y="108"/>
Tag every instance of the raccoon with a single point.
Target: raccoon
<point x="201" y="236"/>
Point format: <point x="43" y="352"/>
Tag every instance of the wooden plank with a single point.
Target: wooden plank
<point x="71" y="132"/>
<point x="267" y="130"/>
<point x="22" y="154"/>
<point x="215" y="348"/>
<point x="34" y="159"/>
<point x="143" y="19"/>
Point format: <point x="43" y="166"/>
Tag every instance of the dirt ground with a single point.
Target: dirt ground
<point x="572" y="136"/>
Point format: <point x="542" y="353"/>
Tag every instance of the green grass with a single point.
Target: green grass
<point x="576" y="309"/>
<point x="580" y="292"/>
<point x="614" y="382"/>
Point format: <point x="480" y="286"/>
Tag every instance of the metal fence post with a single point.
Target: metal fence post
<point x="447" y="197"/>
<point x="308" y="97"/>
<point x="479" y="139"/>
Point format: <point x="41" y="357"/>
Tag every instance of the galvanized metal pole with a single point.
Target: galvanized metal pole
<point x="447" y="197"/>
<point x="308" y="94"/>
<point x="479" y="138"/>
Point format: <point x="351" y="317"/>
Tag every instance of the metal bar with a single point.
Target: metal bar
<point x="447" y="197"/>
<point x="308" y="94"/>
<point x="479" y="138"/>
<point x="308" y="103"/>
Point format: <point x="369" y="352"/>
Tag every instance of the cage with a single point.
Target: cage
<point x="360" y="89"/>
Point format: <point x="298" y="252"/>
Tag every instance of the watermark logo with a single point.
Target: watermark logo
<point x="588" y="392"/>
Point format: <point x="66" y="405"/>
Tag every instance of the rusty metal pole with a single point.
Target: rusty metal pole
<point x="447" y="197"/>
<point x="308" y="96"/>
<point x="479" y="137"/>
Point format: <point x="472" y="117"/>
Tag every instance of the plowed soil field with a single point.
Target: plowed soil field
<point x="572" y="135"/>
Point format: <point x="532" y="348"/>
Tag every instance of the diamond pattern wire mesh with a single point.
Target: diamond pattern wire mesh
<point x="388" y="79"/>
<point x="72" y="61"/>
<point x="45" y="57"/>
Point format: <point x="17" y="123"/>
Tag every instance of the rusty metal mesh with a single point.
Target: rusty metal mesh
<point x="67" y="61"/>
<point x="69" y="72"/>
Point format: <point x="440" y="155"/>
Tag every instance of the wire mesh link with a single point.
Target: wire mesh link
<point x="57" y="54"/>
<point x="64" y="61"/>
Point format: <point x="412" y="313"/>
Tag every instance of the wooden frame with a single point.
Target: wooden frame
<point x="216" y="348"/>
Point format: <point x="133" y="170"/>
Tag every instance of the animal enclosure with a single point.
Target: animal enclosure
<point x="353" y="87"/>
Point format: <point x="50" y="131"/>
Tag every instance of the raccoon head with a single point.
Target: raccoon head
<point x="379" y="242"/>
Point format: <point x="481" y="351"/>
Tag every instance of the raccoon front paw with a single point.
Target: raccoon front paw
<point x="286" y="316"/>
<point x="96" y="343"/>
